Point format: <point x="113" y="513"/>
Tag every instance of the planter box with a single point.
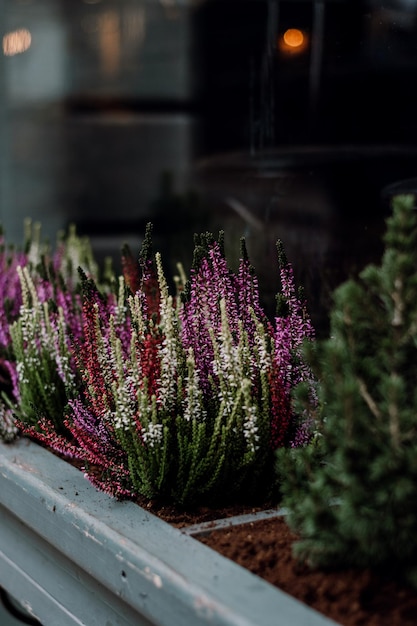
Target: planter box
<point x="72" y="555"/>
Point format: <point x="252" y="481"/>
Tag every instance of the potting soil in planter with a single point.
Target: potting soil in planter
<point x="264" y="547"/>
<point x="350" y="597"/>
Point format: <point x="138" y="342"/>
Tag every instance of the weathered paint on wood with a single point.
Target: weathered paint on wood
<point x="74" y="556"/>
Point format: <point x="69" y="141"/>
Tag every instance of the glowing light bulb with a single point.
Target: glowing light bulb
<point x="293" y="42"/>
<point x="293" y="37"/>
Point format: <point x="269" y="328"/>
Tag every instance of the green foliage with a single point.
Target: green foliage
<point x="352" y="495"/>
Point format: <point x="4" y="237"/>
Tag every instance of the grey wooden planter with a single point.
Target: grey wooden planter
<point x="72" y="555"/>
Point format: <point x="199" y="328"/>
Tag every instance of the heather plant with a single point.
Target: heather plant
<point x="10" y="302"/>
<point x="182" y="396"/>
<point x="40" y="308"/>
<point x="73" y="252"/>
<point x="352" y="494"/>
<point x="186" y="397"/>
<point x="43" y="361"/>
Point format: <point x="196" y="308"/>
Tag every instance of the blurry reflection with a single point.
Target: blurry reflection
<point x="16" y="42"/>
<point x="133" y="27"/>
<point x="171" y="8"/>
<point x="115" y="34"/>
<point x="109" y="42"/>
<point x="89" y="24"/>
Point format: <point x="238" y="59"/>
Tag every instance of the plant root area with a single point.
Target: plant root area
<point x="349" y="597"/>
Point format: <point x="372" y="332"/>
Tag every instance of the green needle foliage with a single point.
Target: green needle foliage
<point x="352" y="494"/>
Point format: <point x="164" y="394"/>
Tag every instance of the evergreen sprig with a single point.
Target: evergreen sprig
<point x="352" y="495"/>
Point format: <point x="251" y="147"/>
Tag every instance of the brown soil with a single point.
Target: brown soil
<point x="181" y="518"/>
<point x="350" y="597"/>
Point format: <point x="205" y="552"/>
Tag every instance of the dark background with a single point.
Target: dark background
<point x="190" y="114"/>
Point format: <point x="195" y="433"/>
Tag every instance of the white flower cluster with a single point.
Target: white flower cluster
<point x="28" y="323"/>
<point x="34" y="332"/>
<point x="137" y="314"/>
<point x="227" y="397"/>
<point x="152" y="435"/>
<point x="125" y="406"/>
<point x="8" y="429"/>
<point x="61" y="355"/>
<point x="250" y="428"/>
<point x="169" y="366"/>
<point x="251" y="415"/>
<point x="261" y="349"/>
<point x="21" y="373"/>
<point x="227" y="363"/>
<point x="64" y="369"/>
<point x="169" y="348"/>
<point x="193" y="403"/>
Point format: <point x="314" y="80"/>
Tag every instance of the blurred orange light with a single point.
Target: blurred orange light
<point x="293" y="42"/>
<point x="293" y="37"/>
<point x="16" y="42"/>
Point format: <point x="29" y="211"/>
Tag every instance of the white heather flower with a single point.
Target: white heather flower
<point x="227" y="398"/>
<point x="8" y="430"/>
<point x="137" y="314"/>
<point x="21" y="372"/>
<point x="152" y="435"/>
<point x="118" y="417"/>
<point x="168" y="354"/>
<point x="125" y="407"/>
<point x="263" y="356"/>
<point x="193" y="402"/>
<point x="120" y="308"/>
<point x="228" y="363"/>
<point x="250" y="424"/>
<point x="250" y="428"/>
<point x="64" y="369"/>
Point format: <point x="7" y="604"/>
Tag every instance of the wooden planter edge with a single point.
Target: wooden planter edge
<point x="72" y="555"/>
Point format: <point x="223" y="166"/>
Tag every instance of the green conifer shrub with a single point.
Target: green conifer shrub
<point x="352" y="493"/>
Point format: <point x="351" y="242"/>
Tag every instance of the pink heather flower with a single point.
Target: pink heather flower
<point x="210" y="283"/>
<point x="10" y="289"/>
<point x="249" y="308"/>
<point x="289" y="366"/>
